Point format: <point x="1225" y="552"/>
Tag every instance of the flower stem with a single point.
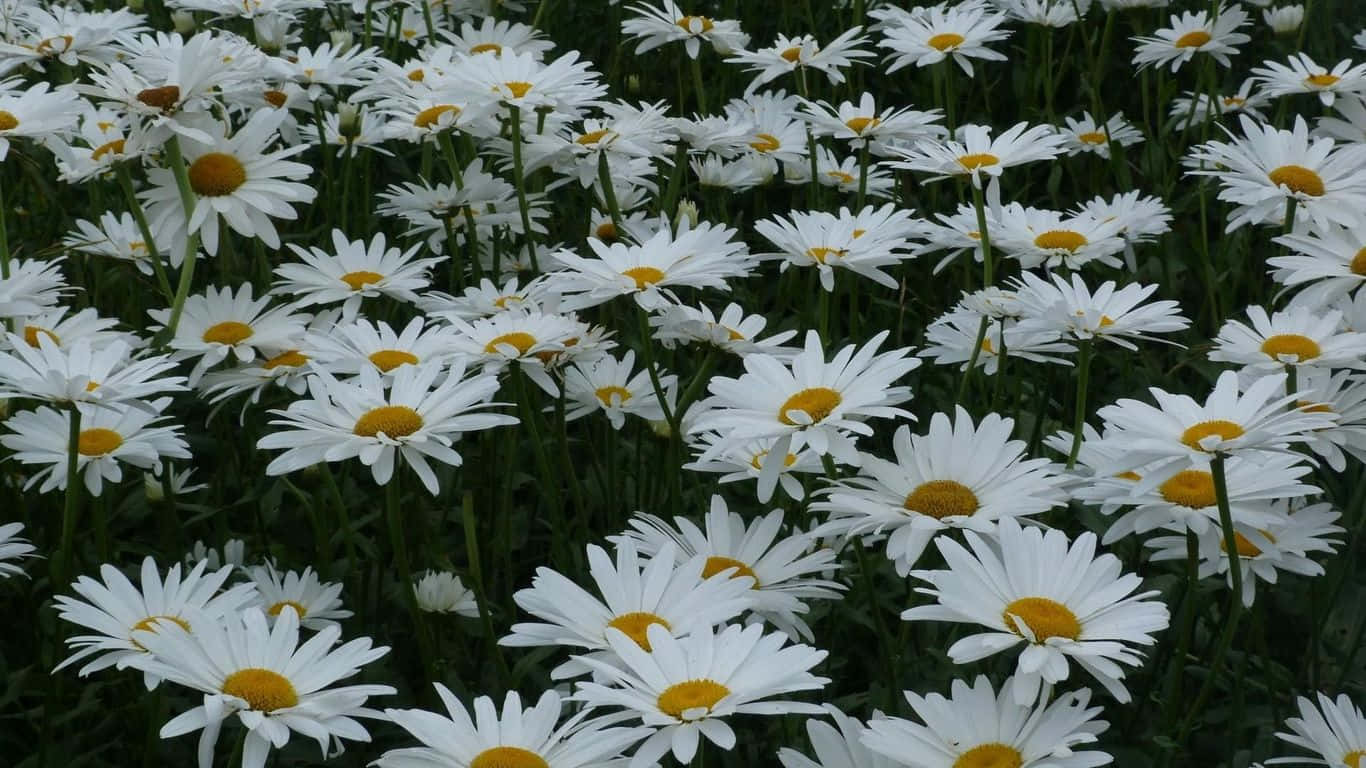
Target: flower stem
<point x="61" y="565"/>
<point x="1079" y="413"/>
<point x="979" y="204"/>
<point x="477" y="579"/>
<point x="393" y="503"/>
<point x="187" y="202"/>
<point x="519" y="178"/>
<point x="148" y="241"/>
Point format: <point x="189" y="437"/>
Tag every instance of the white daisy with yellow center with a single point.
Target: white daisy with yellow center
<point x="606" y="385"/>
<point x="1300" y="336"/>
<point x="1194" y="32"/>
<point x="975" y="153"/>
<point x="1301" y="74"/>
<point x="353" y="271"/>
<point x="933" y="34"/>
<point x="318" y="603"/>
<point x="222" y="322"/>
<point x="1333" y="729"/>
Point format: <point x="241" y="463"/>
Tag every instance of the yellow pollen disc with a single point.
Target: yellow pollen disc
<point x="686" y="23"/>
<point x="987" y="346"/>
<point x="409" y="33"/>
<point x="592" y="137"/>
<point x="693" y="694"/>
<point x="765" y="142"/>
<point x="1244" y="545"/>
<point x="821" y="254"/>
<point x="8" y="121"/>
<point x="275" y="98"/>
<point x="291" y="359"/>
<point x="115" y="146"/>
<point x="945" y="41"/>
<point x="164" y="98"/>
<point x="1193" y="39"/>
<point x="262" y="689"/>
<point x="91" y="386"/>
<point x="417" y="75"/>
<point x="859" y="233"/>
<point x="229" y="332"/>
<point x="31" y="335"/>
<point x="149" y="624"/>
<point x="1045" y="618"/>
<point x="47" y="46"/>
<point x="1130" y="476"/>
<point x="216" y="174"/>
<point x="816" y="402"/>
<point x="388" y="359"/>
<point x="942" y="498"/>
<point x="519" y="88"/>
<point x="716" y="564"/>
<point x="522" y="340"/>
<point x="1308" y="406"/>
<point x="1298" y="179"/>
<point x="1189" y="488"/>
<point x="644" y="276"/>
<point x="104" y="125"/>
<point x="793" y="54"/>
<point x="860" y="124"/>
<point x="393" y="420"/>
<point x="734" y="335"/>
<point x="1302" y="347"/>
<point x="1226" y="430"/>
<point x="486" y="48"/>
<point x="1323" y="80"/>
<point x="758" y="461"/>
<point x="98" y="441"/>
<point x="428" y="117"/>
<point x="274" y="610"/>
<point x="508" y="757"/>
<point x="1060" y="240"/>
<point x="606" y="232"/>
<point x="1353" y="758"/>
<point x="841" y="176"/>
<point x="975" y="161"/>
<point x="1234" y="101"/>
<point x="1359" y="263"/>
<point x="634" y="624"/>
<point x="605" y="394"/>
<point x="1106" y="321"/>
<point x="1095" y="138"/>
<point x="360" y="279"/>
<point x="990" y="756"/>
<point x="137" y="245"/>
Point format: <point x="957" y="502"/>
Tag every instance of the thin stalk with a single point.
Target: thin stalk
<point x="4" y="233"/>
<point x="1079" y="412"/>
<point x="697" y="82"/>
<point x="61" y="565"/>
<point x="477" y="582"/>
<point x="393" y="504"/>
<point x="979" y="203"/>
<point x="515" y="113"/>
<point x="148" y="241"/>
<point x="187" y="202"/>
<point x="609" y="193"/>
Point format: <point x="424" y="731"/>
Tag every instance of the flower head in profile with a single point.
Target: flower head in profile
<point x="443" y="592"/>
<point x="1110" y="313"/>
<point x="1298" y="336"/>
<point x="13" y="549"/>
<point x="317" y="603"/>
<point x="789" y="54"/>
<point x="975" y="153"/>
<point x="83" y="373"/>
<point x="1194" y="32"/>
<point x="1302" y="74"/>
<point x="655" y="27"/>
<point x="1332" y="729"/>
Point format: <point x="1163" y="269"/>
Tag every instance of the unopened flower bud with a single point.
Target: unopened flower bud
<point x="183" y="21"/>
<point x="342" y="39"/>
<point x="687" y="211"/>
<point x="348" y="120"/>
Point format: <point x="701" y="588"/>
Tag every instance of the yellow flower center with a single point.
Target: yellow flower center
<point x="1309" y="406"/>
<point x="942" y="498"/>
<point x="1193" y="39"/>
<point x="1322" y="80"/>
<point x="264" y="690"/>
<point x="717" y="563"/>
<point x="592" y="137"/>
<point x="606" y="232"/>
<point x="48" y="45"/>
<point x="605" y="394"/>
<point x="149" y="624"/>
<point x="429" y="116"/>
<point x="634" y="624"/>
<point x="987" y="346"/>
<point x="1132" y="477"/>
<point x="1353" y="758"/>
<point x="1234" y="101"/>
<point x="1301" y="347"/>
<point x="1045" y="618"/>
<point x="816" y="402"/>
<point x="758" y="460"/>
<point x="841" y="176"/>
<point x="765" y="142"/>
<point x="692" y="694"/>
<point x="486" y="48"/>
<point x="417" y="75"/>
<point x="98" y="441"/>
<point x="393" y="420"/>
<point x="521" y="340"/>
<point x="31" y="335"/>
<point x="1298" y="179"/>
<point x="116" y="146"/>
<point x="1226" y="430"/>
<point x="644" y="276"/>
<point x="820" y="254"/>
<point x="229" y="332"/>
<point x="518" y="88"/>
<point x="1189" y="488"/>
<point x="1094" y="138"/>
<point x="945" y="41"/>
<point x="275" y="98"/>
<point x="508" y="757"/>
<point x="216" y="174"/>
<point x="164" y="98"/>
<point x="1061" y="240"/>
<point x="1359" y="263"/>
<point x="299" y="609"/>
<point x="860" y="124"/>
<point x="992" y="755"/>
<point x="792" y="55"/>
<point x="8" y="121"/>
<point x="1244" y="545"/>
<point x="359" y="279"/>
<point x="291" y="359"/>
<point x="686" y="23"/>
<point x="974" y="161"/>
<point x="388" y="359"/>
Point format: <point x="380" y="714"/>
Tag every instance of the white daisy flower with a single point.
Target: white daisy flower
<point x="443" y="592"/>
<point x="353" y="272"/>
<point x="606" y="385"/>
<point x="733" y="332"/>
<point x="349" y="348"/>
<point x="1344" y="394"/>
<point x="1348" y="126"/>
<point x="975" y="153"/>
<point x="952" y="339"/>
<point x="317" y="603"/>
<point x="64" y="328"/>
<point x="1038" y="237"/>
<point x="1084" y="135"/>
<point x="520" y="79"/>
<point x="1285" y="20"/>
<point x="1335" y="729"/>
<point x="1203" y="107"/>
<point x="789" y="54"/>
<point x="745" y="461"/>
<point x="220" y="323"/>
<point x="862" y="124"/>
<point x="495" y="36"/>
<point x="117" y="236"/>
<point x="30" y="286"/>
<point x="668" y="23"/>
<point x="826" y="241"/>
<point x="933" y="34"/>
<point x="13" y="549"/>
<point x="836" y="746"/>
<point x="36" y="112"/>
<point x="533" y="341"/>
<point x="1326" y="263"/>
<point x="80" y="373"/>
<point x="1194" y="32"/>
<point x="1111" y="314"/>
<point x="1299" y="336"/>
<point x="1047" y="13"/>
<point x="1302" y="75"/>
<point x="485" y="299"/>
<point x="1142" y="218"/>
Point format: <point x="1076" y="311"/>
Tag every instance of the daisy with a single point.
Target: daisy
<point x="784" y="571"/>
<point x="220" y="323"/>
<point x="1052" y="239"/>
<point x="606" y="384"/>
<point x="1349" y="126"/>
<point x="317" y="603"/>
<point x="353" y="272"/>
<point x="668" y="23"/>
<point x="109" y="437"/>
<point x="863" y="125"/>
<point x="733" y="332"/>
<point x="1298" y="337"/>
<point x="1085" y="135"/>
<point x="959" y="475"/>
<point x="954" y="233"/>
<point x="953" y="338"/>
<point x="1047" y="13"/>
<point x="413" y="417"/>
<point x="114" y="608"/>
<point x="1285" y="20"/>
<point x="1142" y="219"/>
<point x="745" y="461"/>
<point x="1059" y="599"/>
<point x="977" y="727"/>
<point x="974" y="153"/>
<point x="264" y="676"/>
<point x="30" y="286"/>
<point x="495" y="36"/>
<point x="1344" y="394"/>
<point x="533" y="341"/>
<point x="825" y="241"/>
<point x="13" y="548"/>
<point x="79" y="373"/>
<point x="65" y="328"/>
<point x="485" y="299"/>
<point x="1303" y="75"/>
<point x="687" y="687"/>
<point x="934" y="34"/>
<point x="36" y="112"/>
<point x="1111" y="314"/>
<point x="1335" y="730"/>
<point x="1326" y="262"/>
<point x="443" y="592"/>
<point x="790" y="54"/>
<point x="517" y="737"/>
<point x="118" y="236"/>
<point x="636" y="595"/>
<point x="520" y="79"/>
<point x="1192" y="33"/>
<point x="349" y="348"/>
<point x="836" y="746"/>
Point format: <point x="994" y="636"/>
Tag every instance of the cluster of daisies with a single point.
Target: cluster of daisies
<point x="486" y="307"/>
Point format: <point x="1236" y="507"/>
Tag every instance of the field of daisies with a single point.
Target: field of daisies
<point x="580" y="384"/>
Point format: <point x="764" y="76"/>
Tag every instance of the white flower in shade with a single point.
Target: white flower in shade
<point x="317" y="603"/>
<point x="349" y="348"/>
<point x="842" y="174"/>
<point x="1285" y="20"/>
<point x="606" y="385"/>
<point x="811" y="402"/>
<point x="736" y="176"/>
<point x="495" y="36"/>
<point x="13" y="549"/>
<point x="959" y="475"/>
<point x="31" y="287"/>
<point x="976" y="727"/>
<point x="1299" y="336"/>
<point x="669" y="24"/>
<point x="110" y="436"/>
<point x="1062" y="601"/>
<point x="263" y="675"/>
<point x="1142" y="218"/>
<point x="1262" y="172"/>
<point x="789" y="54"/>
<point x="933" y="34"/>
<point x="237" y="177"/>
<point x="117" y="236"/>
<point x="1110" y="314"/>
<point x="840" y="747"/>
<point x="65" y="327"/>
<point x="974" y="153"/>
<point x="1326" y="262"/>
<point x="80" y="373"/>
<point x="1194" y="32"/>
<point x="1048" y="13"/>
<point x="1334" y="730"/>
<point x="1043" y="238"/>
<point x="443" y="592"/>
<point x="733" y="332"/>
<point x="114" y="608"/>
<point x="485" y="299"/>
<point x="1302" y="75"/>
<point x="636" y="594"/>
<point x="531" y="340"/>
<point x="413" y="418"/>
<point x="517" y="737"/>
<point x="827" y="242"/>
<point x="863" y="125"/>
<point x="520" y="79"/>
<point x="36" y="112"/>
<point x="783" y="570"/>
<point x="1284" y="543"/>
<point x="1349" y="125"/>
<point x="353" y="272"/>
<point x="1343" y="394"/>
<point x="745" y="461"/>
<point x="687" y="687"/>
<point x="1360" y="40"/>
<point x="952" y="339"/>
<point x="1203" y="107"/>
<point x="1085" y="135"/>
<point x="220" y="322"/>
<point x="234" y="550"/>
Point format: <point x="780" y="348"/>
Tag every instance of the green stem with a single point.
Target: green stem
<point x="477" y="579"/>
<point x="979" y="203"/>
<point x="61" y="565"/>
<point x="148" y="241"/>
<point x="697" y="83"/>
<point x="609" y="193"/>
<point x="187" y="202"/>
<point x="1079" y="412"/>
<point x="515" y="113"/>
<point x="393" y="504"/>
<point x="4" y="232"/>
